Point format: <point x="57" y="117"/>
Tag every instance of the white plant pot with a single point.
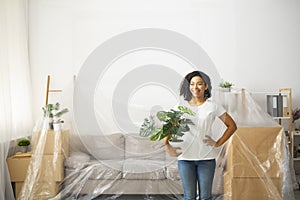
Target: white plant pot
<point x="177" y="144"/>
<point x="225" y="89"/>
<point x="24" y="149"/>
<point x="57" y="126"/>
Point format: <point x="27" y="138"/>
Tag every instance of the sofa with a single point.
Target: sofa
<point x="119" y="164"/>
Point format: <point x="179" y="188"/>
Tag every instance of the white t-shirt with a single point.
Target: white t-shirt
<point x="193" y="147"/>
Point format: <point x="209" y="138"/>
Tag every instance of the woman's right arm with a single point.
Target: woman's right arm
<point x="171" y="150"/>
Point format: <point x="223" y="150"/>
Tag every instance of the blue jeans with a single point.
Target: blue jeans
<point x="193" y="172"/>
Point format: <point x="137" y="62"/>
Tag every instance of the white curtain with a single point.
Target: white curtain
<point x="15" y="88"/>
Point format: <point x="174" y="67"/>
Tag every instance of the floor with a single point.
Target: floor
<point x="168" y="197"/>
<point x="161" y="197"/>
<point x="140" y="197"/>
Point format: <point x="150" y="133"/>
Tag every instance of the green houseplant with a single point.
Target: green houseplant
<point x="296" y="116"/>
<point x="24" y="143"/>
<point x="226" y="84"/>
<point x="173" y="125"/>
<point x="53" y="112"/>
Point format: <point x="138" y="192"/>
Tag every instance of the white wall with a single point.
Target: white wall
<point x="254" y="44"/>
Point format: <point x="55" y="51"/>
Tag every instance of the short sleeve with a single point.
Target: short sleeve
<point x="220" y="110"/>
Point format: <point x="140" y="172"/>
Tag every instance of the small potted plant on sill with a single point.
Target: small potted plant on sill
<point x="24" y="143"/>
<point x="173" y="125"/>
<point x="53" y="112"/>
<point x="226" y="85"/>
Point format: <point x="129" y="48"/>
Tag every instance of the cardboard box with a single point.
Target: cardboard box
<point x="17" y="168"/>
<point x="51" y="168"/>
<point x="252" y="188"/>
<point x="41" y="190"/>
<point x="18" y="188"/>
<point x="48" y="167"/>
<point x="255" y="152"/>
<point x="51" y="142"/>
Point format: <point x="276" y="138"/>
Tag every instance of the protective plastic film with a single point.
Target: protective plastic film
<point x="120" y="165"/>
<point x="254" y="163"/>
<point x="46" y="164"/>
<point x="102" y="156"/>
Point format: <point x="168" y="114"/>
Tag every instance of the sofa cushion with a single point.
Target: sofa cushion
<point x="77" y="160"/>
<point x="137" y="147"/>
<point x="106" y="169"/>
<point x="105" y="147"/>
<point x="98" y="170"/>
<point x="143" y="169"/>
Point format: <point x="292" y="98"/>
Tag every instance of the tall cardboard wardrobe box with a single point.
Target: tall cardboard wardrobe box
<point x="254" y="164"/>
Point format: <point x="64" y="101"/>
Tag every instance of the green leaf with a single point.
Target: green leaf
<point x="173" y="124"/>
<point x="162" y="116"/>
<point x="226" y="84"/>
<point x="186" y="110"/>
<point x="186" y="122"/>
<point x="147" y="127"/>
<point x="60" y="113"/>
<point x="52" y="110"/>
<point x="156" y="135"/>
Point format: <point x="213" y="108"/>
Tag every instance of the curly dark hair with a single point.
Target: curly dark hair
<point x="185" y="85"/>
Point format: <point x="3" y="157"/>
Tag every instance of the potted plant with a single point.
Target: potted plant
<point x="296" y="116"/>
<point x="226" y="84"/>
<point x="57" y="124"/>
<point x="24" y="143"/>
<point x="173" y="125"/>
<point x="53" y="112"/>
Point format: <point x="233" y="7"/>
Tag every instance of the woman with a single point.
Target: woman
<point x="196" y="163"/>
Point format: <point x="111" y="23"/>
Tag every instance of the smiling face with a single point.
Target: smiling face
<point x="197" y="87"/>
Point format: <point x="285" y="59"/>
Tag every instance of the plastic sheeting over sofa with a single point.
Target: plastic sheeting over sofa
<point x="254" y="164"/>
